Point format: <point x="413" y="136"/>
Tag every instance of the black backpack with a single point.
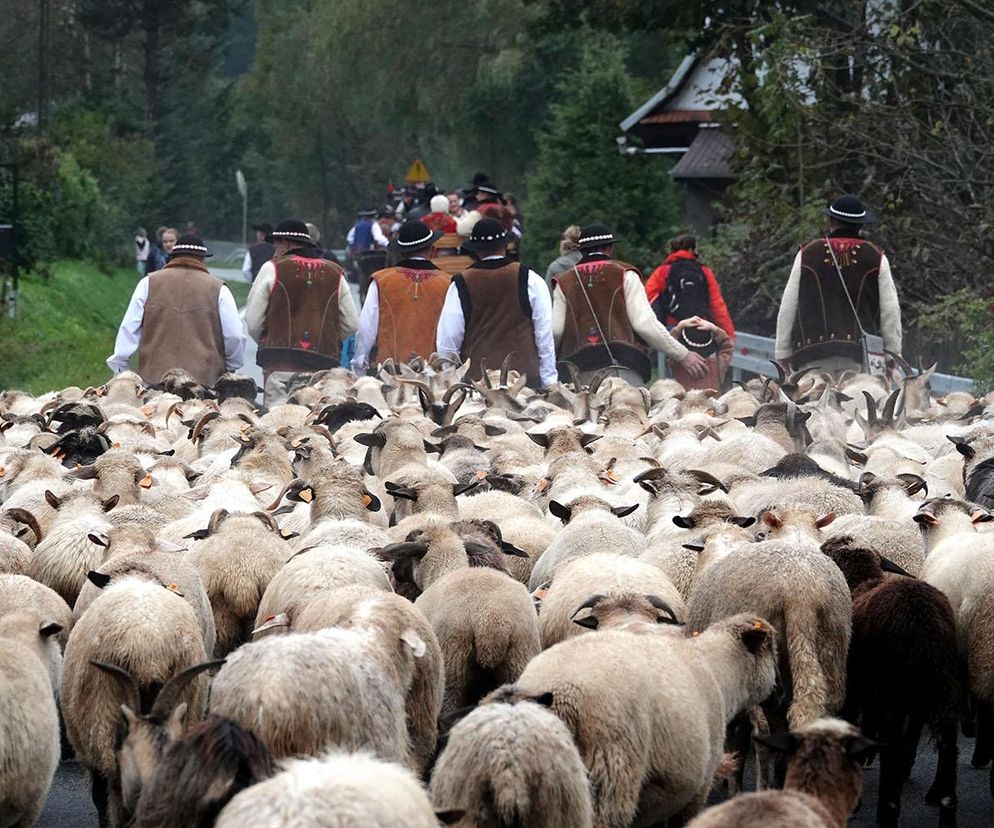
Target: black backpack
<point x="686" y="293"/>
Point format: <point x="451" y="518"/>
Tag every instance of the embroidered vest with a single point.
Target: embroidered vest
<point x="825" y="325"/>
<point x="181" y="326"/>
<point x="498" y="314"/>
<point x="302" y="324"/>
<point x="410" y="301"/>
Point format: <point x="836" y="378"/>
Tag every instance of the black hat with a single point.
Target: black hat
<point x="294" y="231"/>
<point x="190" y="246"/>
<point x="487" y="233"/>
<point x="698" y="340"/>
<point x="595" y="235"/>
<point x="368" y="213"/>
<point x="850" y="210"/>
<point x="414" y="236"/>
<point x="264" y="227"/>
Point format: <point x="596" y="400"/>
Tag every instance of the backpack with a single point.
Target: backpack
<point x="686" y="293"/>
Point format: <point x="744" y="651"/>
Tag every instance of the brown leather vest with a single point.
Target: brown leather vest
<point x="498" y="314"/>
<point x="302" y="325"/>
<point x="411" y="296"/>
<point x="181" y="326"/>
<point x="604" y="282"/>
<point x="825" y="325"/>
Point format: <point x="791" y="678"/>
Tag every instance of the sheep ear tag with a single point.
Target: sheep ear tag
<point x="415" y="642"/>
<point x="148" y="410"/>
<point x="307" y="495"/>
<point x="146" y="482"/>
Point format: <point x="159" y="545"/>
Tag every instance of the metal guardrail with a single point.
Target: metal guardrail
<point x="753" y="354"/>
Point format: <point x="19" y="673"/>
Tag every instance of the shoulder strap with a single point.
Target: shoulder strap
<point x="600" y="331"/>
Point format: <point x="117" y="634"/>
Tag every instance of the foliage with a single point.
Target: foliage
<point x="580" y="177"/>
<point x="65" y="328"/>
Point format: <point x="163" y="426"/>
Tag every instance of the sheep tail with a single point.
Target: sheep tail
<point x="810" y="690"/>
<point x="493" y="642"/>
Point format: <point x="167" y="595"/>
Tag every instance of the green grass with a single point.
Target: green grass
<point x="65" y="327"/>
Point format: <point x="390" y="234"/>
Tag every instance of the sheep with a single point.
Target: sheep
<point x="340" y="790"/>
<point x="683" y="559"/>
<point x="427" y="490"/>
<point x="15" y="554"/>
<point x="485" y="622"/>
<point x="592" y="525"/>
<point x="902" y="672"/>
<point x="66" y="554"/>
<point x="312" y="571"/>
<point x="307" y="692"/>
<point x="607" y="575"/>
<point x="200" y="773"/>
<point x="236" y="559"/>
<point x="360" y="608"/>
<point x="652" y="747"/>
<point x="823" y="784"/>
<point x="151" y="633"/>
<point x="143" y="736"/>
<point x="29" y="722"/>
<point x="19" y="593"/>
<point x="392" y="445"/>
<point x="805" y="596"/>
<point x="507" y="765"/>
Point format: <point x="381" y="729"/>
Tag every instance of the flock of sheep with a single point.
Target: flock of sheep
<point x="413" y="600"/>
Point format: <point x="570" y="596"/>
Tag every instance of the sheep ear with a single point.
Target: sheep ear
<point x="281" y="620"/>
<point x="49" y="628"/>
<point x="539" y="439"/>
<point x="99" y="538"/>
<point x="981" y="516"/>
<point x="771" y="520"/>
<point x="110" y="502"/>
<point x="432" y="447"/>
<point x="859" y="747"/>
<point x="755" y="636"/>
<point x="926" y="518"/>
<point x="371" y="439"/>
<point x="167" y="546"/>
<point x="588" y="621"/>
<point x="415" y="642"/>
<point x="400" y="492"/>
<point x="683" y="521"/>
<point x="744" y="521"/>
<point x="511" y="549"/>
<point x="857" y="455"/>
<point x="493" y="431"/>
<point x="694" y="547"/>
<point x="587" y="439"/>
<point x="962" y="446"/>
<point x="444" y="431"/>
<point x="200" y="534"/>
<point x="130" y="717"/>
<point x="175" y="722"/>
<point x="889" y="566"/>
<point x="544" y="699"/>
<point x="708" y="482"/>
<point x="779" y="742"/>
<point x="371" y="501"/>
<point x="53" y="500"/>
<point x="558" y="510"/>
<point x="98" y="579"/>
<point x="825" y="520"/>
<point x="623" y="511"/>
<point x="449" y="817"/>
<point x="462" y="488"/>
<point x="913" y="483"/>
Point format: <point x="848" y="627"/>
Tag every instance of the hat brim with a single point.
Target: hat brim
<point x="295" y="239"/>
<point x="868" y="218"/>
<point x="593" y="245"/>
<point x="396" y="247"/>
<point x="474" y="246"/>
<point x="175" y="254"/>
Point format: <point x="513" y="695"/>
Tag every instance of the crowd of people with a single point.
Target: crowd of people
<point x="839" y="311"/>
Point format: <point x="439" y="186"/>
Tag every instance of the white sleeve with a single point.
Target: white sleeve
<point x="558" y="315"/>
<point x="369" y="325"/>
<point x="890" y="309"/>
<point x="350" y="236"/>
<point x="129" y="334"/>
<point x="231" y="330"/>
<point x="257" y="303"/>
<point x="644" y="321"/>
<point x="451" y="325"/>
<point x="348" y="317"/>
<point x="788" y="311"/>
<point x="541" y="302"/>
<point x="247" y="265"/>
<point x="378" y="235"/>
<point x="464" y="225"/>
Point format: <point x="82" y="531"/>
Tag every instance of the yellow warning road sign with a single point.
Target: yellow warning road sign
<point x="417" y="173"/>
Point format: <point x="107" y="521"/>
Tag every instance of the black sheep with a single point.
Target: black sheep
<point x="800" y="465"/>
<point x="902" y="674"/>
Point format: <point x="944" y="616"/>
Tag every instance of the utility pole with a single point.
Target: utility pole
<point x="243" y="191"/>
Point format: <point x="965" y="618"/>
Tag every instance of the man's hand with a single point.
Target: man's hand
<point x="695" y="365"/>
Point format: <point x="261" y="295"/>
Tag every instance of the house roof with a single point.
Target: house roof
<point x="709" y="156"/>
<point x="663" y="95"/>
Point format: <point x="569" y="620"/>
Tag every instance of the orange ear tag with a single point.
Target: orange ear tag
<point x="148" y="410"/>
<point x="146" y="482"/>
<point x="306" y="495"/>
<point x="543" y="484"/>
<point x="366" y="499"/>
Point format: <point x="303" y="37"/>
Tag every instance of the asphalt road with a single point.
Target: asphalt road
<point x="69" y="804"/>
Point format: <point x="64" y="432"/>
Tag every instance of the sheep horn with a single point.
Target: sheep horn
<point x="172" y="410"/>
<point x="505" y="366"/>
<point x="486" y="376"/>
<point x="286" y="488"/>
<point x="590" y="603"/>
<point x="871" y="408"/>
<point x="422" y="387"/>
<point x="660" y="604"/>
<point x="781" y="372"/>
<point x="574" y="374"/>
<point x="906" y="368"/>
<point x="28" y="519"/>
<point x="168" y="697"/>
<point x="452" y="390"/>
<point x="598" y="378"/>
<point x="888" y="415"/>
<point x="199" y="425"/>
<point x="132" y="697"/>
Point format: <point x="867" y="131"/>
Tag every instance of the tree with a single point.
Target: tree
<point x="580" y="177"/>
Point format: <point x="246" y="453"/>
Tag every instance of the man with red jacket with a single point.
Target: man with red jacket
<point x="682" y="261"/>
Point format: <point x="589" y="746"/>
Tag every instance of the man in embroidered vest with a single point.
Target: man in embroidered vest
<point x="498" y="307"/>
<point x="400" y="314"/>
<point x="601" y="316"/>
<point x="816" y="326"/>
<point x="181" y="317"/>
<point x="299" y="310"/>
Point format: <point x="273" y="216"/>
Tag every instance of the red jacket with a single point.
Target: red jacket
<point x="657" y="284"/>
<point x="440" y="221"/>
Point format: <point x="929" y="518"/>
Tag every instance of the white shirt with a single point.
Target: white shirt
<point x="247" y="266"/>
<point x="257" y="304"/>
<point x="640" y="314"/>
<point x="452" y="326"/>
<point x="129" y="334"/>
<point x="379" y="239"/>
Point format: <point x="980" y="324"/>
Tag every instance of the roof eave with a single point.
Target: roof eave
<point x="671" y="88"/>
